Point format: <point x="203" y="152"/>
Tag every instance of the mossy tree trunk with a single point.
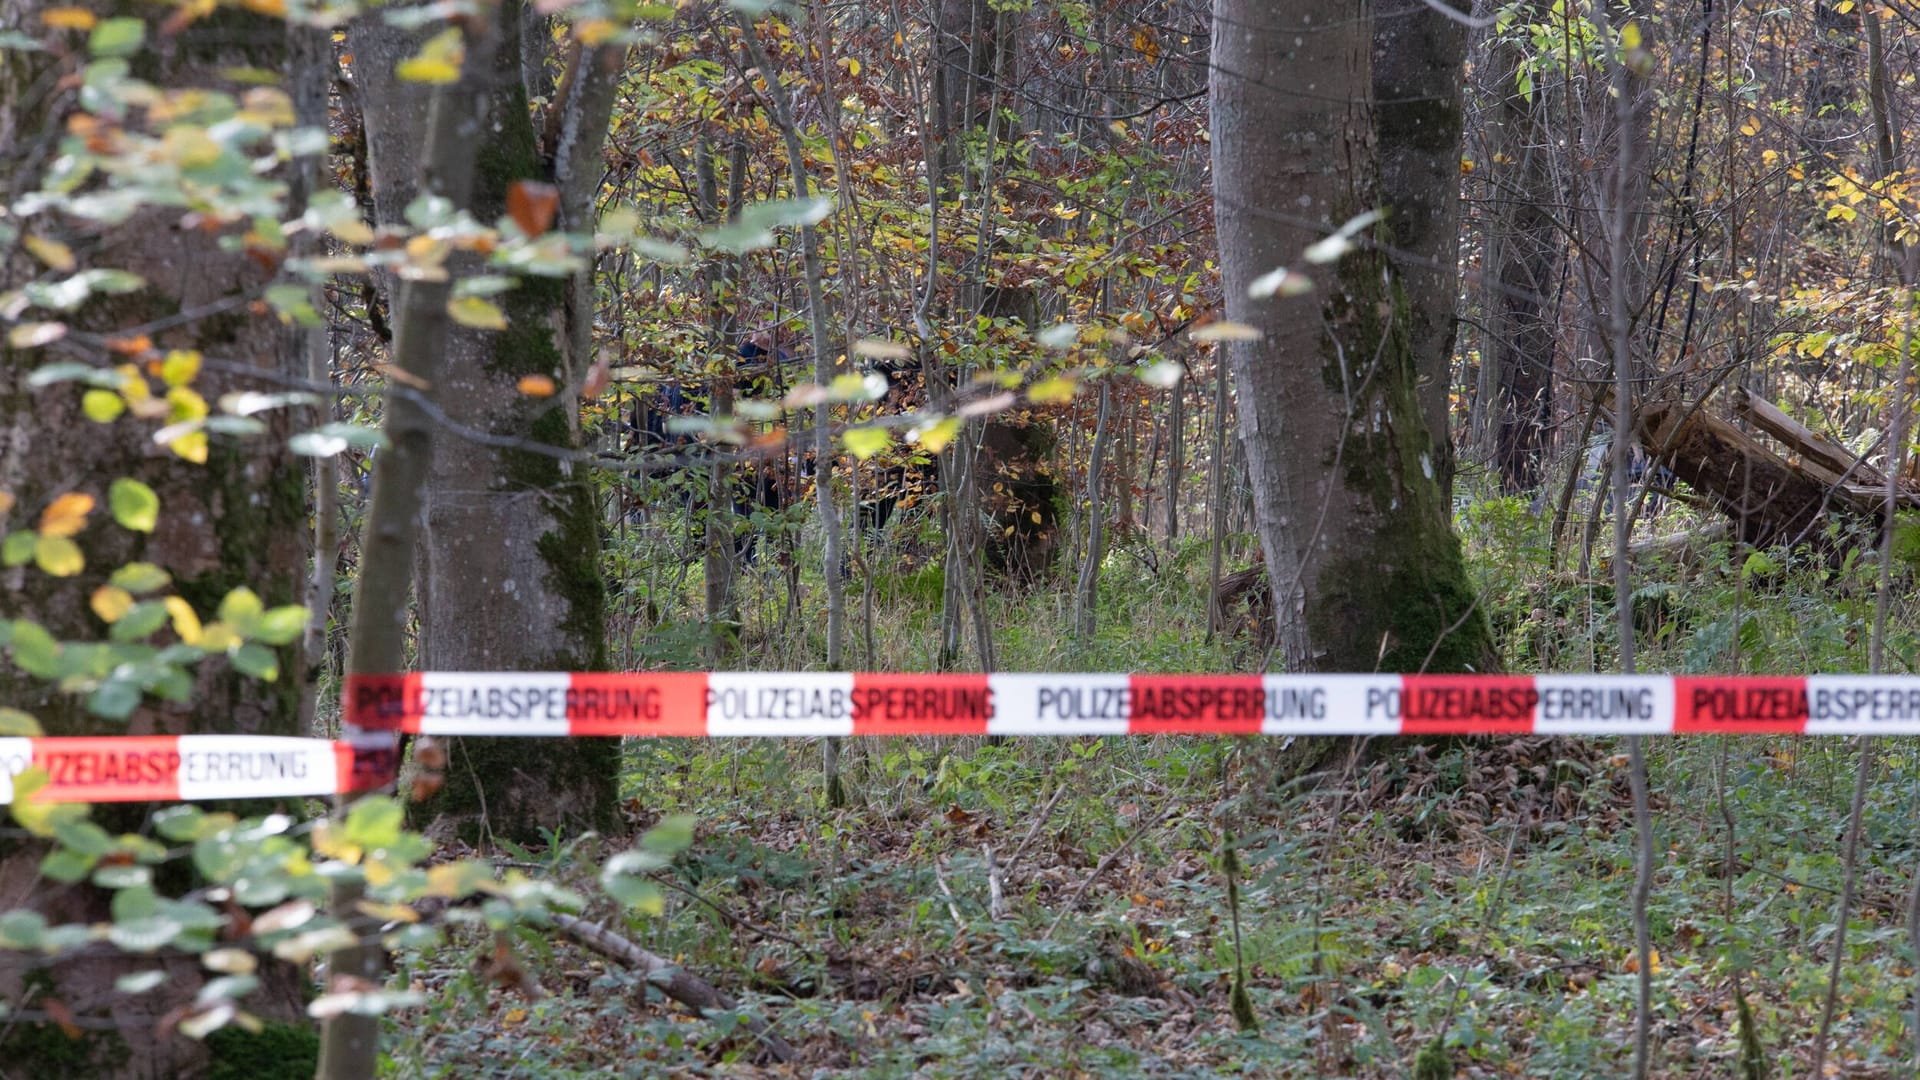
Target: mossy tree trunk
<point x="1366" y="570"/>
<point x="1419" y="55"/>
<point x="237" y="520"/>
<point x="510" y="577"/>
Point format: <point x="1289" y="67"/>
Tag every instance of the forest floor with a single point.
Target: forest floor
<point x="1473" y="895"/>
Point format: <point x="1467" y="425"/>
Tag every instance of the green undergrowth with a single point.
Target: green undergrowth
<point x="1395" y="921"/>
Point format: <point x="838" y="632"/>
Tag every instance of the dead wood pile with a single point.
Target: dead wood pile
<point x="1778" y="493"/>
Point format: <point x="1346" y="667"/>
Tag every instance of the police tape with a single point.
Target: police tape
<point x="778" y="704"/>
<point x="167" y="768"/>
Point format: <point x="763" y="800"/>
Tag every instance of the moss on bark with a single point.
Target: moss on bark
<point x="1396" y="598"/>
<point x="519" y="786"/>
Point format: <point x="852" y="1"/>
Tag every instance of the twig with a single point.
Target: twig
<point x="733" y="920"/>
<point x="1850" y="860"/>
<point x="1112" y="856"/>
<point x="996" y="891"/>
<point x="676" y="982"/>
<point x="953" y="906"/>
<point x="1038" y="820"/>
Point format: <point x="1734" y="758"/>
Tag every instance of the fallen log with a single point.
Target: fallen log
<point x="1768" y="497"/>
<point x="1822" y="450"/>
<point x="676" y="982"/>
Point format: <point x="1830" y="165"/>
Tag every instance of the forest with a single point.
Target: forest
<point x="952" y="538"/>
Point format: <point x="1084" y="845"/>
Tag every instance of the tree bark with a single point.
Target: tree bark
<point x="510" y="577"/>
<point x="238" y="519"/>
<point x="1367" y="573"/>
<point x="1419" y="55"/>
<point x="1524" y="253"/>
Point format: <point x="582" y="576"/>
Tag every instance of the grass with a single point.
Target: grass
<point x="1417" y="910"/>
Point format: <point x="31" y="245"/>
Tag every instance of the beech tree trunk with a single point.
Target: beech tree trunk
<point x="510" y="577"/>
<point x="1418" y="58"/>
<point x="239" y="519"/>
<point x="1346" y="474"/>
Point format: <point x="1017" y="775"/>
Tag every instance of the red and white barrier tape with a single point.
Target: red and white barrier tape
<point x="156" y="768"/>
<point x="167" y="768"/>
<point x="774" y="704"/>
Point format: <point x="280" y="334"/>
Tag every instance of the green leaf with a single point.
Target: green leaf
<point x="637" y="893"/>
<point x="256" y="660"/>
<point x="13" y="722"/>
<point x="139" y="982"/>
<point x="139" y="577"/>
<point x="140" y="621"/>
<point x="145" y="935"/>
<point x="673" y="835"/>
<point x="35" y="652"/>
<point x="181" y="823"/>
<point x="68" y="370"/>
<point x="134" y="504"/>
<point x="115" y="699"/>
<point x="374" y="822"/>
<point x="22" y="929"/>
<point x="84" y="838"/>
<point x="116" y="37"/>
<point x="330" y="439"/>
<point x="123" y="876"/>
<point x="66" y="866"/>
<point x="17" y="549"/>
<point x="281" y="625"/>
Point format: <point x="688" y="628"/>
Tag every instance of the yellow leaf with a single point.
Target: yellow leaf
<point x="852" y="66"/>
<point x="1225" y="331"/>
<point x="593" y="32"/>
<point x="864" y="442"/>
<point x="1751" y="127"/>
<point x="192" y="446"/>
<point x="102" y="406"/>
<point x="937" y="435"/>
<point x="66" y="515"/>
<point x="272" y="9"/>
<point x="6" y="501"/>
<point x="438" y="61"/>
<point x="55" y="254"/>
<point x="1841" y="212"/>
<point x="184" y="404"/>
<point x="217" y="637"/>
<point x="17" y="723"/>
<point x="476" y="312"/>
<point x="67" y="18"/>
<point x="180" y="367"/>
<point x="186" y="624"/>
<point x="58" y="556"/>
<point x="535" y="386"/>
<point x="110" y="602"/>
<point x="1630" y="36"/>
<point x="189" y="147"/>
<point x="1051" y="391"/>
<point x="513" y="1017"/>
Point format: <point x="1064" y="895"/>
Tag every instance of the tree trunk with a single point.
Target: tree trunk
<point x="1367" y="574"/>
<point x="1524" y="255"/>
<point x="1418" y="59"/>
<point x="510" y="577"/>
<point x="239" y="519"/>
